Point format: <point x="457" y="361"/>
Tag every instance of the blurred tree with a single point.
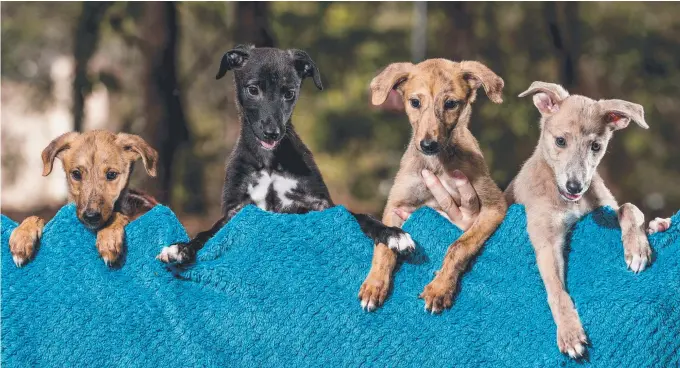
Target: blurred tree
<point x="84" y="46"/>
<point x="252" y="24"/>
<point x="166" y="125"/>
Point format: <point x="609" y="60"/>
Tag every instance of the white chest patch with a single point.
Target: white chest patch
<point x="266" y="183"/>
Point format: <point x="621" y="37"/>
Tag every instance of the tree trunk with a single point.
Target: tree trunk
<point x="252" y="24"/>
<point x="166" y="127"/>
<point x="565" y="34"/>
<point x="84" y="46"/>
<point x="459" y="38"/>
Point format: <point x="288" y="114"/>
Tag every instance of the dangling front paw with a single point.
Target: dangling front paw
<point x="638" y="254"/>
<point x="571" y="338"/>
<point x="438" y="295"/>
<point x="374" y="290"/>
<point x="24" y="240"/>
<point x="110" y="244"/>
<point x="176" y="253"/>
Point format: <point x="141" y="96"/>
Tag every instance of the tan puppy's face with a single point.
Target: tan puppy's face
<point x="437" y="95"/>
<point x="575" y="131"/>
<point x="97" y="166"/>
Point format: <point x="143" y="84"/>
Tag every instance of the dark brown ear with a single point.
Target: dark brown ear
<point x="619" y="113"/>
<point x="388" y="79"/>
<point x="478" y="74"/>
<point x="136" y="147"/>
<point x="55" y="149"/>
<point x="547" y="96"/>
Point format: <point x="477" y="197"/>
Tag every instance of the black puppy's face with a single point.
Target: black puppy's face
<point x="268" y="84"/>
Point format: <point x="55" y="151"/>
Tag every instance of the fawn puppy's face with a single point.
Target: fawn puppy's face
<point x="97" y="166"/>
<point x="575" y="131"/>
<point x="268" y="83"/>
<point x="438" y="95"/>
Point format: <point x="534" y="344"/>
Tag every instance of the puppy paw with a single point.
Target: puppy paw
<point x="438" y="295"/>
<point x="658" y="225"/>
<point x="401" y="242"/>
<point x="571" y="338"/>
<point x="24" y="240"/>
<point x="110" y="244"/>
<point x="173" y="254"/>
<point x="374" y="291"/>
<point x="638" y="254"/>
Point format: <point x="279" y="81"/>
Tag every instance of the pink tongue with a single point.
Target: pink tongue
<point x="267" y="145"/>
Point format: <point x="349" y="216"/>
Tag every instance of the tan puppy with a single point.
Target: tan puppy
<point x="98" y="166"/>
<point x="559" y="184"/>
<point x="438" y="95"/>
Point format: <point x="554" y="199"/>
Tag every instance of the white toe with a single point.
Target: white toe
<point x="18" y="261"/>
<point x="169" y="254"/>
<point x="659" y="225"/>
<point x="401" y="243"/>
<point x="371" y="306"/>
<point x="580" y="349"/>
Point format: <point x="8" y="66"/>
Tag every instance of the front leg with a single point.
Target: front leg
<point x="185" y="253"/>
<point x="438" y="294"/>
<point x="636" y="249"/>
<point x="110" y="238"/>
<point x="547" y="237"/>
<point x="374" y="289"/>
<point x="24" y="240"/>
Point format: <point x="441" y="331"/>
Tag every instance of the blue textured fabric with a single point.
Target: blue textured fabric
<point x="280" y="290"/>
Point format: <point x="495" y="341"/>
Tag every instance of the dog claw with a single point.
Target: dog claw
<point x="18" y="261"/>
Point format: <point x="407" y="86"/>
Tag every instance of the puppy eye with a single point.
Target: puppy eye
<point x="596" y="147"/>
<point x="415" y="103"/>
<point x="76" y="175"/>
<point x="560" y="142"/>
<point x="450" y="104"/>
<point x="111" y="175"/>
<point x="253" y="90"/>
<point x="289" y="95"/>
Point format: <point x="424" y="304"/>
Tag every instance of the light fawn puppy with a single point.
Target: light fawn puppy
<point x="98" y="165"/>
<point x="559" y="184"/>
<point x="438" y="95"/>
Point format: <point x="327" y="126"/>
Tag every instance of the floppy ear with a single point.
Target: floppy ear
<point x="390" y="78"/>
<point x="618" y="113"/>
<point x="135" y="147"/>
<point x="55" y="149"/>
<point x="306" y="68"/>
<point x="233" y="59"/>
<point x="478" y="74"/>
<point x="547" y="96"/>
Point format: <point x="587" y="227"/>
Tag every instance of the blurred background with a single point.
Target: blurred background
<point x="149" y="69"/>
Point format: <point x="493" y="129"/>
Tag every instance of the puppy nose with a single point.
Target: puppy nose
<point x="271" y="132"/>
<point x="92" y="216"/>
<point x="574" y="187"/>
<point x="429" y="146"/>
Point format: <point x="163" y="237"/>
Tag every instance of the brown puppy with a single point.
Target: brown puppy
<point x="98" y="166"/>
<point x="438" y="95"/>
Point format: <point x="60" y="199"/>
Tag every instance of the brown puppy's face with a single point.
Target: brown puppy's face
<point x="438" y="95"/>
<point x="575" y="131"/>
<point x="97" y="166"/>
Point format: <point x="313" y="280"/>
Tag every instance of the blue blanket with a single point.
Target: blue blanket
<point x="280" y="290"/>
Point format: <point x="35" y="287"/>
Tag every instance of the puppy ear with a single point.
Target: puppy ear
<point x="233" y="59"/>
<point x="136" y="147"/>
<point x="305" y="67"/>
<point x="618" y="114"/>
<point x="390" y="78"/>
<point x="478" y="74"/>
<point x="547" y="96"/>
<point x="55" y="149"/>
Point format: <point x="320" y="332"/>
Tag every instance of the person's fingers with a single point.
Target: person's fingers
<point x="441" y="195"/>
<point x="469" y="201"/>
<point x="404" y="215"/>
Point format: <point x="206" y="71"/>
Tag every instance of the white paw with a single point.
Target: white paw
<point x="658" y="224"/>
<point x="170" y="254"/>
<point x="401" y="243"/>
<point x="637" y="263"/>
<point x="368" y="306"/>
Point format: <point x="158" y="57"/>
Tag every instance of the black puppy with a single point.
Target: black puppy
<point x="270" y="166"/>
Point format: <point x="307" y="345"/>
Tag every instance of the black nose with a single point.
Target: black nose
<point x="92" y="217"/>
<point x="271" y="132"/>
<point x="574" y="187"/>
<point x="430" y="147"/>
